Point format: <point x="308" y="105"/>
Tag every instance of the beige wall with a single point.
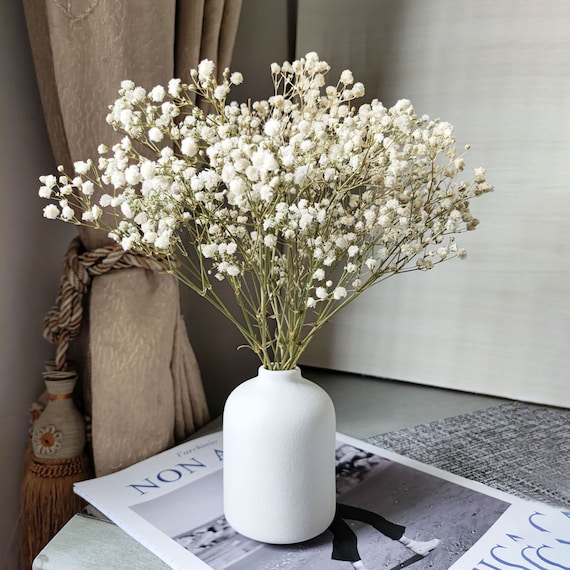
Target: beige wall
<point x="30" y="261"/>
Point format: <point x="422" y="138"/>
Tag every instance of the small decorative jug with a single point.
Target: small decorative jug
<point x="59" y="432"/>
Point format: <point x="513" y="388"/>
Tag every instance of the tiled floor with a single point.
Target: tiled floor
<point x="368" y="406"/>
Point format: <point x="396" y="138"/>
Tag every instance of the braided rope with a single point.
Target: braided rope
<point x="62" y="323"/>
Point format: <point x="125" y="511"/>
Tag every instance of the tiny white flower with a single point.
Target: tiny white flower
<point x="272" y="127"/>
<point x="339" y="293"/>
<point x="157" y="94"/>
<point x="346" y="77"/>
<point x="138" y="95"/>
<point x="353" y="250"/>
<point x="206" y="69"/>
<point x="127" y="243"/>
<point x="266" y="193"/>
<point x="132" y="175"/>
<point x="209" y="250"/>
<point x="321" y="293"/>
<point x="319" y="274"/>
<point x="50" y="180"/>
<point x="45" y="192"/>
<point x="238" y="186"/>
<point x="301" y="174"/>
<point x="81" y="167"/>
<point x="149" y="237"/>
<point x="96" y="212"/>
<point x="311" y="303"/>
<point x="270" y="240"/>
<point x="51" y="211"/>
<point x="141" y="218"/>
<point x="189" y="146"/>
<point x="371" y="263"/>
<point x="125" y="117"/>
<point x="252" y="173"/>
<point x="147" y="169"/>
<point x="67" y="213"/>
<point x="155" y="134"/>
<point x="174" y="87"/>
<point x="126" y="210"/>
<point x="105" y="200"/>
<point x="479" y="174"/>
<point x="220" y="92"/>
<point x="163" y="240"/>
<point x="236" y="78"/>
<point x="358" y="90"/>
<point x="118" y="179"/>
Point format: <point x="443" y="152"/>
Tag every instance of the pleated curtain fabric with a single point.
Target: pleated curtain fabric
<point x="144" y="389"/>
<point x="205" y="29"/>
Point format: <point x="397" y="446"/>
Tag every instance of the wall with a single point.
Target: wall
<point x="30" y="261"/>
<point x="498" y="323"/>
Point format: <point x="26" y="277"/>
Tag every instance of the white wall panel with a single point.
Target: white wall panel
<point x="498" y="323"/>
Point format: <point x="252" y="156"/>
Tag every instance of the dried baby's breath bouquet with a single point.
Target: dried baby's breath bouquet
<point x="300" y="203"/>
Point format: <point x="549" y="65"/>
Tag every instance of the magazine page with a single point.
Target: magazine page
<point x="164" y="497"/>
<point x="480" y="528"/>
<point x="172" y="503"/>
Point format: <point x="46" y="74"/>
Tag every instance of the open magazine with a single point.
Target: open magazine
<point x="172" y="503"/>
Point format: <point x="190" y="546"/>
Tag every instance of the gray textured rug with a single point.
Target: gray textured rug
<point x="519" y="448"/>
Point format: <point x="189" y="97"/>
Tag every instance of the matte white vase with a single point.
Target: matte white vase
<point x="279" y="458"/>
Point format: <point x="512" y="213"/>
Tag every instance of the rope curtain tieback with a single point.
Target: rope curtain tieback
<point x="62" y="322"/>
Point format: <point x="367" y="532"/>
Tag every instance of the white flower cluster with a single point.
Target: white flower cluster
<point x="300" y="202"/>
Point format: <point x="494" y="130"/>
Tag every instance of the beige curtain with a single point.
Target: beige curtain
<point x="144" y="389"/>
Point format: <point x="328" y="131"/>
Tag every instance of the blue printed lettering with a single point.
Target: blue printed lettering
<point x="140" y="486"/>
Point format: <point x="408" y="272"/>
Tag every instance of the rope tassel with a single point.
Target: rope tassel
<point x="47" y="499"/>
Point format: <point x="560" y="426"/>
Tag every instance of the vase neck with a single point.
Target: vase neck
<point x="60" y="387"/>
<point x="279" y="375"/>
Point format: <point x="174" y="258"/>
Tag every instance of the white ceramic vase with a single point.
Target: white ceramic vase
<point x="279" y="458"/>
